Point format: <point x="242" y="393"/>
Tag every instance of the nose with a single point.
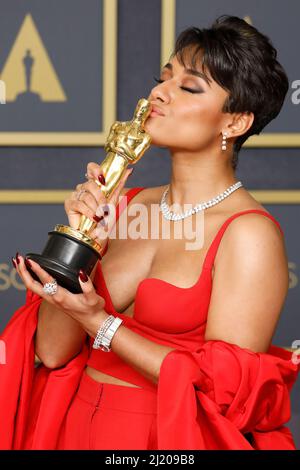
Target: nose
<point x="160" y="93"/>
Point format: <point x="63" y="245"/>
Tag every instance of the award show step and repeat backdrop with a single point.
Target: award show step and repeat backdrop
<point x="70" y="68"/>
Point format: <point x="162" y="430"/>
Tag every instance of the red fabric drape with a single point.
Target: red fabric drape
<point x="210" y="398"/>
<point x="33" y="401"/>
<point x="207" y="399"/>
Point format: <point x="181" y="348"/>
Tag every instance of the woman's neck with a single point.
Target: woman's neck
<point x="199" y="180"/>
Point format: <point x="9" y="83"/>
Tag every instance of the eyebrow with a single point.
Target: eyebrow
<point x="194" y="72"/>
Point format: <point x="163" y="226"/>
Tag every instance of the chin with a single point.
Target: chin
<point x="155" y="142"/>
<point x="157" y="139"/>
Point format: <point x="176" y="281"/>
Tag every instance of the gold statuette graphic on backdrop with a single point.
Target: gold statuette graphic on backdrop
<point x="68" y="250"/>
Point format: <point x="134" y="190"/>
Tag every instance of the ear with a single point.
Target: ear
<point x="239" y="125"/>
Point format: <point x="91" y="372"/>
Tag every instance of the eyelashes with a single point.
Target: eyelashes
<point x="190" y="90"/>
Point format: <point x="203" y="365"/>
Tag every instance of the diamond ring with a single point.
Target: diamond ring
<point x="50" y="288"/>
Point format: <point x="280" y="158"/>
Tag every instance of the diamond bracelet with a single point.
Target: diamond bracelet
<point x="105" y="325"/>
<point x="106" y="332"/>
<point x="109" y="333"/>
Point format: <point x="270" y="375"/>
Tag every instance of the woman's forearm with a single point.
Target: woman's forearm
<point x="58" y="337"/>
<point x="140" y="353"/>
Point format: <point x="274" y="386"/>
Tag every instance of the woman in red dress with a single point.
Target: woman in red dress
<point x="190" y="364"/>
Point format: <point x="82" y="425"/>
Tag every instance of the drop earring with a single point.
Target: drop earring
<point x="224" y="142"/>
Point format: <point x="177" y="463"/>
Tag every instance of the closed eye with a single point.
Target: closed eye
<point x="190" y="90"/>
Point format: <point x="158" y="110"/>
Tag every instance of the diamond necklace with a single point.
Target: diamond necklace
<point x="169" y="215"/>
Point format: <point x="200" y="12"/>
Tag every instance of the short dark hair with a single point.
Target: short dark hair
<point x="243" y="62"/>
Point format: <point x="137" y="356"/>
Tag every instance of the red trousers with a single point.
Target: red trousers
<point x="110" y="417"/>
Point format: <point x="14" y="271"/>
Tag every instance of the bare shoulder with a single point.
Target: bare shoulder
<point x="253" y="224"/>
<point x="250" y="282"/>
<point x="253" y="242"/>
<point x="247" y="223"/>
<point x="241" y="200"/>
<point x="254" y="233"/>
<point x="250" y="234"/>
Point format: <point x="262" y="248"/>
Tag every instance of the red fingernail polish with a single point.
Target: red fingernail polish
<point x="28" y="264"/>
<point x="83" y="276"/>
<point x="106" y="209"/>
<point x="14" y="263"/>
<point x="17" y="258"/>
<point x="101" y="179"/>
<point x="96" y="218"/>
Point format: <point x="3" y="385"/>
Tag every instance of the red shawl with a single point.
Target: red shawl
<point x="207" y="399"/>
<point x="210" y="398"/>
<point x="33" y="401"/>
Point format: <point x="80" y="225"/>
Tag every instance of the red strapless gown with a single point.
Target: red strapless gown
<point x="210" y="393"/>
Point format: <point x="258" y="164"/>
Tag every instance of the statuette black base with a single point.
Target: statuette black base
<point x="63" y="257"/>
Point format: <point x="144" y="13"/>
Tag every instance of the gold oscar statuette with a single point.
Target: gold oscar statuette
<point x="68" y="249"/>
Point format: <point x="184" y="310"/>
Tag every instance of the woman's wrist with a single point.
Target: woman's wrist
<point x="96" y="322"/>
<point x="106" y="333"/>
